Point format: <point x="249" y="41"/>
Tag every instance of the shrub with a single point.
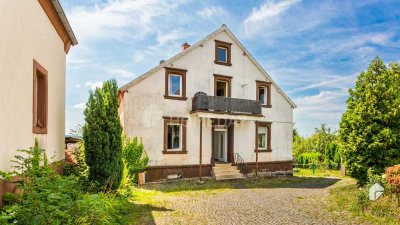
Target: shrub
<point x="392" y="175"/>
<point x="305" y="159"/>
<point x="135" y="157"/>
<point x="102" y="137"/>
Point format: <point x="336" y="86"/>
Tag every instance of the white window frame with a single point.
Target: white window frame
<point x="265" y="94"/>
<point x="169" y="85"/>
<point x="180" y="137"/>
<point x="265" y="133"/>
<point x="226" y="55"/>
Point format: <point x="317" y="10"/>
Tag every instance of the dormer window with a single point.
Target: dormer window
<point x="175" y="83"/>
<point x="222" y="53"/>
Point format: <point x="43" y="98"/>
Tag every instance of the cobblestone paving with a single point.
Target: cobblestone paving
<point x="296" y="204"/>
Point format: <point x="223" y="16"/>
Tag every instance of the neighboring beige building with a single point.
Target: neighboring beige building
<point x="245" y="116"/>
<point x="35" y="37"/>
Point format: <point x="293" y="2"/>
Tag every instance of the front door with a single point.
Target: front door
<point x="221" y="145"/>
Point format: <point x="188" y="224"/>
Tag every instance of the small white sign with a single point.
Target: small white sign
<point x="375" y="192"/>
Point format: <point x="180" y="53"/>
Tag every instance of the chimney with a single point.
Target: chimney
<point x="185" y="46"/>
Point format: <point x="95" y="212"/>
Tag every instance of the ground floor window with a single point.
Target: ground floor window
<point x="174" y="135"/>
<point x="263" y="132"/>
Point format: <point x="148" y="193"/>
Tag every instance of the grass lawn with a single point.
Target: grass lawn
<point x="346" y="197"/>
<point x="318" y="173"/>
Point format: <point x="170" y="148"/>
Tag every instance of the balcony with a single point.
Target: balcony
<point x="219" y="104"/>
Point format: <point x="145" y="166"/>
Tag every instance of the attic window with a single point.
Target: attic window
<point x="263" y="94"/>
<point x="175" y="83"/>
<point x="222" y="53"/>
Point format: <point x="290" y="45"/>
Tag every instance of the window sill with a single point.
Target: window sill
<point x="263" y="150"/>
<point x="222" y="63"/>
<point x="39" y="130"/>
<point x="174" y="152"/>
<point x="266" y="106"/>
<point x="175" y="98"/>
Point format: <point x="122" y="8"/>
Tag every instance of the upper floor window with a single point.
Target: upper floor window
<point x="222" y="85"/>
<point x="222" y="53"/>
<point x="174" y="135"/>
<point x="263" y="94"/>
<point x="175" y="83"/>
<point x="40" y="93"/>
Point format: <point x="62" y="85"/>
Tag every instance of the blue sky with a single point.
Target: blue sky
<point x="314" y="50"/>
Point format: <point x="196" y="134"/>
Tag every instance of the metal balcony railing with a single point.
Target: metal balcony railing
<point x="226" y="105"/>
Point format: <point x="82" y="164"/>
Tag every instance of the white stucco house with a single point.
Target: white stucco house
<point x="210" y="104"/>
<point x="35" y="38"/>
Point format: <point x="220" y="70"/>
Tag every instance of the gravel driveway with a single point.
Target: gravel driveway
<point x="300" y="203"/>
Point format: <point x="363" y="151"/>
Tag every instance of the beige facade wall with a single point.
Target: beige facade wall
<point x="144" y="107"/>
<point x="27" y="34"/>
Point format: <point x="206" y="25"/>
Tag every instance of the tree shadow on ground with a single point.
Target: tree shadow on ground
<point x="142" y="213"/>
<point x="248" y="183"/>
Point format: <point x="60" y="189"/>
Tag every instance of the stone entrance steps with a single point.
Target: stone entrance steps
<point x="225" y="171"/>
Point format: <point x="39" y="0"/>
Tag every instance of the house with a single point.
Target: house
<point x="210" y="104"/>
<point x="35" y="38"/>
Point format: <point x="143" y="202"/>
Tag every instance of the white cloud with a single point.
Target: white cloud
<point x="121" y="73"/>
<point x="81" y="105"/>
<point x="119" y="18"/>
<point x="341" y="82"/>
<point x="266" y="13"/>
<point x="94" y="85"/>
<point x="77" y="85"/>
<point x="210" y="12"/>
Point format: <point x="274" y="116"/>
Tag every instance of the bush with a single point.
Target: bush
<point x="135" y="157"/>
<point x="392" y="175"/>
<point x="307" y="158"/>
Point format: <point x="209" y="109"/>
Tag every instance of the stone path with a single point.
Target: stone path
<point x="295" y="204"/>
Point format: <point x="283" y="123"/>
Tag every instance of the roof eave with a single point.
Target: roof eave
<point x="64" y="21"/>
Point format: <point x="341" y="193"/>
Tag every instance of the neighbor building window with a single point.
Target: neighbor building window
<point x="174" y="135"/>
<point x="263" y="132"/>
<point x="222" y="85"/>
<point x="263" y="94"/>
<point x="222" y="53"/>
<point x="40" y="93"/>
<point x="175" y="83"/>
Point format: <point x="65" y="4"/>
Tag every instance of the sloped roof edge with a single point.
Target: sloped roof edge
<point x="197" y="44"/>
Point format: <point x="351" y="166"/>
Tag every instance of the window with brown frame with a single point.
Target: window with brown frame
<point x="222" y="85"/>
<point x="263" y="132"/>
<point x="40" y="96"/>
<point x="263" y="94"/>
<point x="223" y="53"/>
<point x="175" y="135"/>
<point x="175" y="83"/>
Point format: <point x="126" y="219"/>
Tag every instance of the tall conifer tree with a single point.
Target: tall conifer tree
<point x="102" y="136"/>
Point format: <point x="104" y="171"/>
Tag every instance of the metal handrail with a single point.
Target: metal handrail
<point x="241" y="164"/>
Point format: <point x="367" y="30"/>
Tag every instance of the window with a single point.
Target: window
<point x="40" y="93"/>
<point x="222" y="53"/>
<point x="175" y="83"/>
<point x="263" y="132"/>
<point x="222" y="85"/>
<point x="264" y="93"/>
<point x="174" y="135"/>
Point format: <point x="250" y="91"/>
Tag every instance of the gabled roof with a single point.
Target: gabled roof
<point x="199" y="43"/>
